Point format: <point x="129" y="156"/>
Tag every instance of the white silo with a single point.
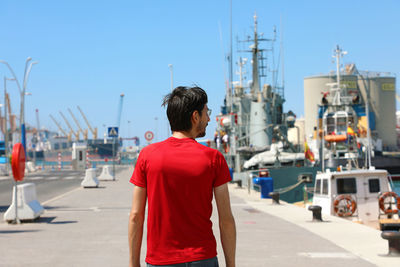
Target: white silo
<point x="383" y="104"/>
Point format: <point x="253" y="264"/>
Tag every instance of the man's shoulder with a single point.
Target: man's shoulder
<point x="208" y="150"/>
<point x="151" y="148"/>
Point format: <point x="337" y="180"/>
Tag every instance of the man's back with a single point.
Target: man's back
<point x="179" y="175"/>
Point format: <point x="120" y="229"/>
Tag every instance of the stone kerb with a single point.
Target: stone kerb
<point x="30" y="167"/>
<point x="90" y="179"/>
<point x="106" y="174"/>
<point x="28" y="206"/>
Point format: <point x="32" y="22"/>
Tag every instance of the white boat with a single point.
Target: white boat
<point x="361" y="195"/>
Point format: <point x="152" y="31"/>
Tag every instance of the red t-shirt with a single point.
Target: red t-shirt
<point x="179" y="175"/>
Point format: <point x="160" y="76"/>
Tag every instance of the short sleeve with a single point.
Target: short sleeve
<point x="139" y="173"/>
<point x="222" y="173"/>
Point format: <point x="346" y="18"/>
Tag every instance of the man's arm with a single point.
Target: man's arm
<point x="136" y="220"/>
<point x="227" y="226"/>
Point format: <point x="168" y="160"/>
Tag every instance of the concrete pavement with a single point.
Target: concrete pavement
<point x="88" y="227"/>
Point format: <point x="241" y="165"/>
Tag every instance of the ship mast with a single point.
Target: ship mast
<point x="338" y="53"/>
<point x="255" y="88"/>
<point x="260" y="118"/>
<point x="242" y="62"/>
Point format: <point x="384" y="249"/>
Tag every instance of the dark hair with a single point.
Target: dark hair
<point x="181" y="104"/>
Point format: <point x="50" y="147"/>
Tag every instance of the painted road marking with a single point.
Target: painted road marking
<point x="60" y="196"/>
<point x="341" y="255"/>
<point x="34" y="178"/>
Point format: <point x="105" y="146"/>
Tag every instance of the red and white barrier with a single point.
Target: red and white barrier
<point x="87" y="160"/>
<point x="59" y="161"/>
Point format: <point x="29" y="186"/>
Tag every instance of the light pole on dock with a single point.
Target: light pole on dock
<point x="28" y="68"/>
<point x="5" y="123"/>
<point x="171" y="68"/>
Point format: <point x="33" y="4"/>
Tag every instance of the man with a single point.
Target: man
<point x="178" y="177"/>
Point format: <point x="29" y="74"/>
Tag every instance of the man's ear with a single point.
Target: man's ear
<point x="195" y="116"/>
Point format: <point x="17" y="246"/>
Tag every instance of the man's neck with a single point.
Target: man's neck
<point x="180" y="135"/>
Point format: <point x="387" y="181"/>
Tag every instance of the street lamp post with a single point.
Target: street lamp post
<point x="22" y="115"/>
<point x="172" y="76"/>
<point x="172" y="88"/>
<point x="5" y="124"/>
<point x="28" y="68"/>
<point x="129" y="132"/>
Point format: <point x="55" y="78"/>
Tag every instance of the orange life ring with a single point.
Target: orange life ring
<point x="382" y="202"/>
<point x="335" y="138"/>
<point x="349" y="207"/>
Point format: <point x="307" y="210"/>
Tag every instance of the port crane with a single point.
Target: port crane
<point x="84" y="132"/>
<point x="70" y="128"/>
<point x="60" y="128"/>
<point x="94" y="131"/>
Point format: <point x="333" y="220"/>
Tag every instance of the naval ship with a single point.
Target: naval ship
<point x="252" y="128"/>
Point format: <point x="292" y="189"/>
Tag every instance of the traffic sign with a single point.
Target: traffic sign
<point x="112" y="131"/>
<point x="149" y="136"/>
<point x="18" y="162"/>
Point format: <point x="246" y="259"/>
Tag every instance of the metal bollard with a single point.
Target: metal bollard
<point x="394" y="242"/>
<point x="316" y="213"/>
<point x="275" y="197"/>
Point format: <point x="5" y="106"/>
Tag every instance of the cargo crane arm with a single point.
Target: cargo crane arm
<point x="94" y="131"/>
<point x="69" y="126"/>
<point x="79" y="126"/>
<point x="58" y="125"/>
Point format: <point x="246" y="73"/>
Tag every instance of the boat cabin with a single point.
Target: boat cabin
<point x="351" y="193"/>
<point x="338" y="133"/>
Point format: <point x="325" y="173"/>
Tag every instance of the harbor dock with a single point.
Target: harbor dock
<point x="89" y="227"/>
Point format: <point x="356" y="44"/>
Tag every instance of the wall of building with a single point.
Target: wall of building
<point x="383" y="104"/>
<point x="298" y="129"/>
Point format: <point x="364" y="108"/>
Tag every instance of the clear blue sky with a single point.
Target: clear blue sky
<point x="90" y="52"/>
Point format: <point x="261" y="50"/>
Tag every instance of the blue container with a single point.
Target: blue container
<point x="266" y="184"/>
<point x="231" y="173"/>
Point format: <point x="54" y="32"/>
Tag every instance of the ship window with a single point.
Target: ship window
<point x="350" y="120"/>
<point x="56" y="146"/>
<point x="330" y="125"/>
<point x="341" y="125"/>
<point x="346" y="186"/>
<point x="325" y="186"/>
<point x="80" y="155"/>
<point x="374" y="185"/>
<point x="318" y="186"/>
